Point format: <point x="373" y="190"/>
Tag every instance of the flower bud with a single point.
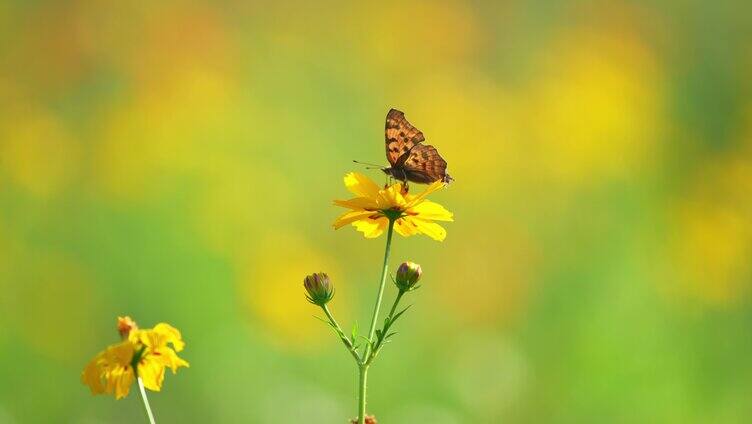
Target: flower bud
<point x="319" y="290"/>
<point x="407" y="276"/>
<point x="125" y="325"/>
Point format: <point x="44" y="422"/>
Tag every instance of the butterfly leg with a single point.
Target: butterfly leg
<point x="404" y="178"/>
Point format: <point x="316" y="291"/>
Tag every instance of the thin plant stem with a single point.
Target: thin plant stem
<point x="363" y="368"/>
<point x="380" y="294"/>
<point x="363" y="374"/>
<point x="394" y="305"/>
<point x="146" y="401"/>
<point x="390" y="316"/>
<point x="348" y="344"/>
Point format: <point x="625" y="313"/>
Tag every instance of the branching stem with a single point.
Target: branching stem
<point x="348" y="344"/>
<point x="363" y="366"/>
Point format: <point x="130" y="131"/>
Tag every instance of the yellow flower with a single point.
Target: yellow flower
<point x="145" y="353"/>
<point x="111" y="371"/>
<point x="371" y="210"/>
<point x="157" y="355"/>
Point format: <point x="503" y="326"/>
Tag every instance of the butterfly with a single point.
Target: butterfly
<point x="409" y="159"/>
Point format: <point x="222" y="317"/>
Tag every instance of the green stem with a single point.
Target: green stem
<point x="345" y="340"/>
<point x="146" y="400"/>
<point x="380" y="295"/>
<point x="396" y="302"/>
<point x="362" y="394"/>
<point x="390" y="316"/>
<point x="367" y="351"/>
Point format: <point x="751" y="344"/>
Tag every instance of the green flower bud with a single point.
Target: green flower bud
<point x="407" y="276"/>
<point x="319" y="290"/>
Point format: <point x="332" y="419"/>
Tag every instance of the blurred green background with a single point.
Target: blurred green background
<point x="176" y="161"/>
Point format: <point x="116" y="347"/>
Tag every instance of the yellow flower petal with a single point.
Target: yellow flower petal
<point x="360" y="185"/>
<point x="358" y="203"/>
<point x="371" y="228"/>
<point x="431" y="229"/>
<point x="110" y="371"/>
<point x="433" y="211"/>
<point x="172" y="360"/>
<point x="414" y="200"/>
<point x="92" y="375"/>
<point x="121" y="353"/>
<point x="158" y="353"/>
<point x="391" y="201"/>
<point x="171" y="335"/>
<point x="392" y="197"/>
<point x="405" y="228"/>
<point x="152" y="373"/>
<point x="350" y="217"/>
<point x="120" y="381"/>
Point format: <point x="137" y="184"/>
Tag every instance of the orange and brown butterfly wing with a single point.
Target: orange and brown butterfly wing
<point x="400" y="136"/>
<point x="425" y="165"/>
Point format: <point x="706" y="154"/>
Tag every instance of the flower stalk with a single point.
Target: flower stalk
<point x="384" y="334"/>
<point x="365" y="361"/>
<point x="362" y="383"/>
<point x="145" y="399"/>
<point x="373" y="212"/>
<point x="380" y="294"/>
<point x="347" y="342"/>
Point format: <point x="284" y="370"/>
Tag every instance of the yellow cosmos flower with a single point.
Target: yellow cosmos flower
<point x="373" y="207"/>
<point x="157" y="355"/>
<point x="145" y="354"/>
<point x="111" y="371"/>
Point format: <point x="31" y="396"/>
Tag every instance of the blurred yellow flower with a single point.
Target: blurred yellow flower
<point x="285" y="257"/>
<point x="144" y="354"/>
<point x="603" y="88"/>
<point x="370" y="210"/>
<point x="111" y="371"/>
<point x="157" y="355"/>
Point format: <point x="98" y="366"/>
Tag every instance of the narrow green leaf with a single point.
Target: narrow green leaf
<point x="399" y="314"/>
<point x="336" y="331"/>
<point x="370" y="343"/>
<point x="354" y="333"/>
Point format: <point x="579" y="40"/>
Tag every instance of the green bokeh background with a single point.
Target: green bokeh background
<point x="176" y="161"/>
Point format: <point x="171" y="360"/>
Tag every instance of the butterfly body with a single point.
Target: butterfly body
<point x="409" y="159"/>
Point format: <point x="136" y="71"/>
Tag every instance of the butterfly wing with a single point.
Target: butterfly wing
<point x="400" y="136"/>
<point x="425" y="165"/>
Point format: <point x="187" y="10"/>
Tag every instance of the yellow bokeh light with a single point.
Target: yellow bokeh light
<point x="272" y="288"/>
<point x="163" y="133"/>
<point x="487" y="279"/>
<point x="38" y="153"/>
<point x="711" y="234"/>
<point x="472" y="124"/>
<point x="408" y="40"/>
<point x="595" y="110"/>
<point x="231" y="195"/>
<point x="712" y="252"/>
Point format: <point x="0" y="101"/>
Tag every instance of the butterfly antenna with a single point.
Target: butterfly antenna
<point x="370" y="165"/>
